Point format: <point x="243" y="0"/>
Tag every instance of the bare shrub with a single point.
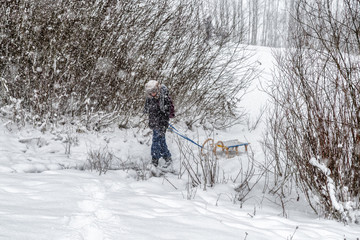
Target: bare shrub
<point x="190" y="191"/>
<point x="190" y="163"/>
<point x="139" y="168"/>
<point x="209" y="165"/>
<point x="90" y="60"/>
<point x="100" y="160"/>
<point x="202" y="168"/>
<point x="70" y="140"/>
<point x="315" y="127"/>
<point x="249" y="175"/>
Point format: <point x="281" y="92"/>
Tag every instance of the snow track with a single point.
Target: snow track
<point x="88" y="223"/>
<point x="78" y="205"/>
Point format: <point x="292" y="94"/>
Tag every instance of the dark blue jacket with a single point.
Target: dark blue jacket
<point x="159" y="109"/>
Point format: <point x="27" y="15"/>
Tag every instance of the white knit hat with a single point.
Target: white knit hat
<point x="151" y="86"/>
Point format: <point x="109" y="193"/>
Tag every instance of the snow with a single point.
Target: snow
<point x="45" y="193"/>
<point x="345" y="208"/>
<point x="330" y="183"/>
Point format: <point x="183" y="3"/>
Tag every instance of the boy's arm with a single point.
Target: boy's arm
<point x="146" y="106"/>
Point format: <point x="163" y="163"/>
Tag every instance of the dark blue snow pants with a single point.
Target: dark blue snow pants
<point x="159" y="148"/>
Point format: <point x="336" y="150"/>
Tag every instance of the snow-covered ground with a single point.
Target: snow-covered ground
<point x="46" y="194"/>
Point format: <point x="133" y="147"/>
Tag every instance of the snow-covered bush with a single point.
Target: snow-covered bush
<point x="71" y="140"/>
<point x="201" y="168"/>
<point x="314" y="130"/>
<point x="99" y="160"/>
<point x="87" y="59"/>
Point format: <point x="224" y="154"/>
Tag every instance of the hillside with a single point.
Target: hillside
<point x="49" y="192"/>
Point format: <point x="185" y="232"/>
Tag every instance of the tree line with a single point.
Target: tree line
<point x="255" y="22"/>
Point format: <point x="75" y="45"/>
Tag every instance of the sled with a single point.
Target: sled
<point x="209" y="143"/>
<point x="226" y="146"/>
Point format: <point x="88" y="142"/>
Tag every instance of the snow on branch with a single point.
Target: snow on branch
<point x="346" y="209"/>
<point x="330" y="184"/>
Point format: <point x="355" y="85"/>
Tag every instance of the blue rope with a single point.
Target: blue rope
<point x="173" y="129"/>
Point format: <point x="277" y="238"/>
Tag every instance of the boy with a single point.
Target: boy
<point x="160" y="108"/>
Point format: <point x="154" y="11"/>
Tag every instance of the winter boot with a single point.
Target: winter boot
<point x="155" y="162"/>
<point x="168" y="162"/>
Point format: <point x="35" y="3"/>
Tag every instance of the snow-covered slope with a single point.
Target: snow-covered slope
<point x="46" y="194"/>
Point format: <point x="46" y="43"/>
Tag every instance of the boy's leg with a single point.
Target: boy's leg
<point x="156" y="147"/>
<point x="165" y="153"/>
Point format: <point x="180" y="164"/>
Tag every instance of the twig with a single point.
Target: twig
<point x="170" y="182"/>
<point x="291" y="237"/>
